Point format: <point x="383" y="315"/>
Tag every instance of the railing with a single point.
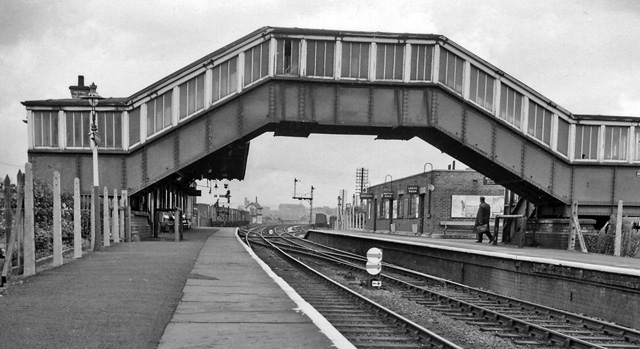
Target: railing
<point x="417" y="60"/>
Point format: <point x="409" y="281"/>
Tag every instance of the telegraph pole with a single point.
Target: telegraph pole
<point x="309" y="198"/>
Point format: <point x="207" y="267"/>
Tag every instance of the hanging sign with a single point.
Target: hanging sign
<point x="412" y="189"/>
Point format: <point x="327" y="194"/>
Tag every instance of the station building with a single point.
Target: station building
<point x="437" y="203"/>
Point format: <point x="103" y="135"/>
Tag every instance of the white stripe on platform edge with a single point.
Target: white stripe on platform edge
<point x="323" y="324"/>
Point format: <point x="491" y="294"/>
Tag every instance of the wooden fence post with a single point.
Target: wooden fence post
<point x="116" y="219"/>
<point x="7" y="211"/>
<point x="29" y="233"/>
<point x="176" y="224"/>
<point x="105" y="220"/>
<point x="572" y="227"/>
<point x="77" y="220"/>
<point x="16" y="226"/>
<point x="19" y="221"/>
<point x="618" y="241"/>
<point x="121" y="213"/>
<point x="57" y="221"/>
<point x="127" y="215"/>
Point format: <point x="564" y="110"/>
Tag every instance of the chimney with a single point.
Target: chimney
<point x="80" y="90"/>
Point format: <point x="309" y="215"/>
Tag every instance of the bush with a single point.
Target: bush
<point x="43" y="217"/>
<point x="604" y="241"/>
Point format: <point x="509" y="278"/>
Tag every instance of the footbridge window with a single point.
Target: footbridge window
<point x="78" y="127"/>
<point x="587" y="142"/>
<point x="110" y="129"/>
<point x="421" y="61"/>
<point x="134" y="126"/>
<point x="320" y="58"/>
<point x="562" y="145"/>
<point x="637" y="144"/>
<point x="616" y="139"/>
<point x="511" y="105"/>
<point x="159" y="113"/>
<point x="539" y="123"/>
<point x="287" y="57"/>
<point x="45" y="130"/>
<point x="481" y="88"/>
<point x="451" y="70"/>
<point x="225" y="79"/>
<point x="191" y="96"/>
<point x="256" y="63"/>
<point x="355" y="60"/>
<point x="389" y="61"/>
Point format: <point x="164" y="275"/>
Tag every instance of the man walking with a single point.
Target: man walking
<point x="482" y="221"/>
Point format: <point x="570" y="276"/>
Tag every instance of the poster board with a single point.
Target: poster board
<point x="466" y="206"/>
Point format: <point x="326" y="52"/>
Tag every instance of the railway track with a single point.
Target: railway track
<point x="363" y="322"/>
<point x="522" y="322"/>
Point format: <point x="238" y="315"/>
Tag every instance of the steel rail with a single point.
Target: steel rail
<point x="427" y="336"/>
<point x="567" y="341"/>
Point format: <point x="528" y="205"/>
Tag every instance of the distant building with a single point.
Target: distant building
<point x="431" y="202"/>
<point x="255" y="212"/>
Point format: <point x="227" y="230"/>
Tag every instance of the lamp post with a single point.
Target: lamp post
<point x="93" y="97"/>
<point x="390" y="199"/>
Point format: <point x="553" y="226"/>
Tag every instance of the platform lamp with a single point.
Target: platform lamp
<point x="390" y="199"/>
<point x="93" y="97"/>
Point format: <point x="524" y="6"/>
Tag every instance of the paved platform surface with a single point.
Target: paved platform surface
<point x="203" y="292"/>
<point x="122" y="297"/>
<point x="230" y="301"/>
<point x="623" y="265"/>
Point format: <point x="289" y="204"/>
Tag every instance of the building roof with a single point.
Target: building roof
<point x="71" y="102"/>
<point x="254" y="204"/>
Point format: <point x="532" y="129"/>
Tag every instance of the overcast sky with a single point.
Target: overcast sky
<point x="583" y="55"/>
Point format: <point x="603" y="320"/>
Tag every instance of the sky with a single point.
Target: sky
<point x="583" y="55"/>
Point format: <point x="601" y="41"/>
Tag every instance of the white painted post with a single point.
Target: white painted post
<point x="121" y="214"/>
<point x="126" y="216"/>
<point x="116" y="219"/>
<point x="176" y="224"/>
<point x="618" y="241"/>
<point x="105" y="211"/>
<point x="57" y="221"/>
<point x="93" y="219"/>
<point x="77" y="220"/>
<point x="29" y="233"/>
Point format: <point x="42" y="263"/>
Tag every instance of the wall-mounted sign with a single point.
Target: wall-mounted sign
<point x="466" y="206"/>
<point x="366" y="196"/>
<point x="413" y="189"/>
<point x="387" y="195"/>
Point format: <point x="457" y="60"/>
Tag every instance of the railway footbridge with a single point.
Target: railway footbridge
<point x="197" y="123"/>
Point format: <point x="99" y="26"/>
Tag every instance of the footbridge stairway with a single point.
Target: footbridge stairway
<point x="198" y="122"/>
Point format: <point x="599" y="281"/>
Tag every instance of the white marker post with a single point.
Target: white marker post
<point x="374" y="265"/>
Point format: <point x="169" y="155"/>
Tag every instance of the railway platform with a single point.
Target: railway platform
<point x="600" y="286"/>
<point x="598" y="262"/>
<point x="233" y="300"/>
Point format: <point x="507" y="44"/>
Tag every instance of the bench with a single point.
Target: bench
<point x="464" y="227"/>
<point x="457" y="224"/>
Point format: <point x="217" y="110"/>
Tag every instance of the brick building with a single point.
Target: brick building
<point x="435" y="202"/>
